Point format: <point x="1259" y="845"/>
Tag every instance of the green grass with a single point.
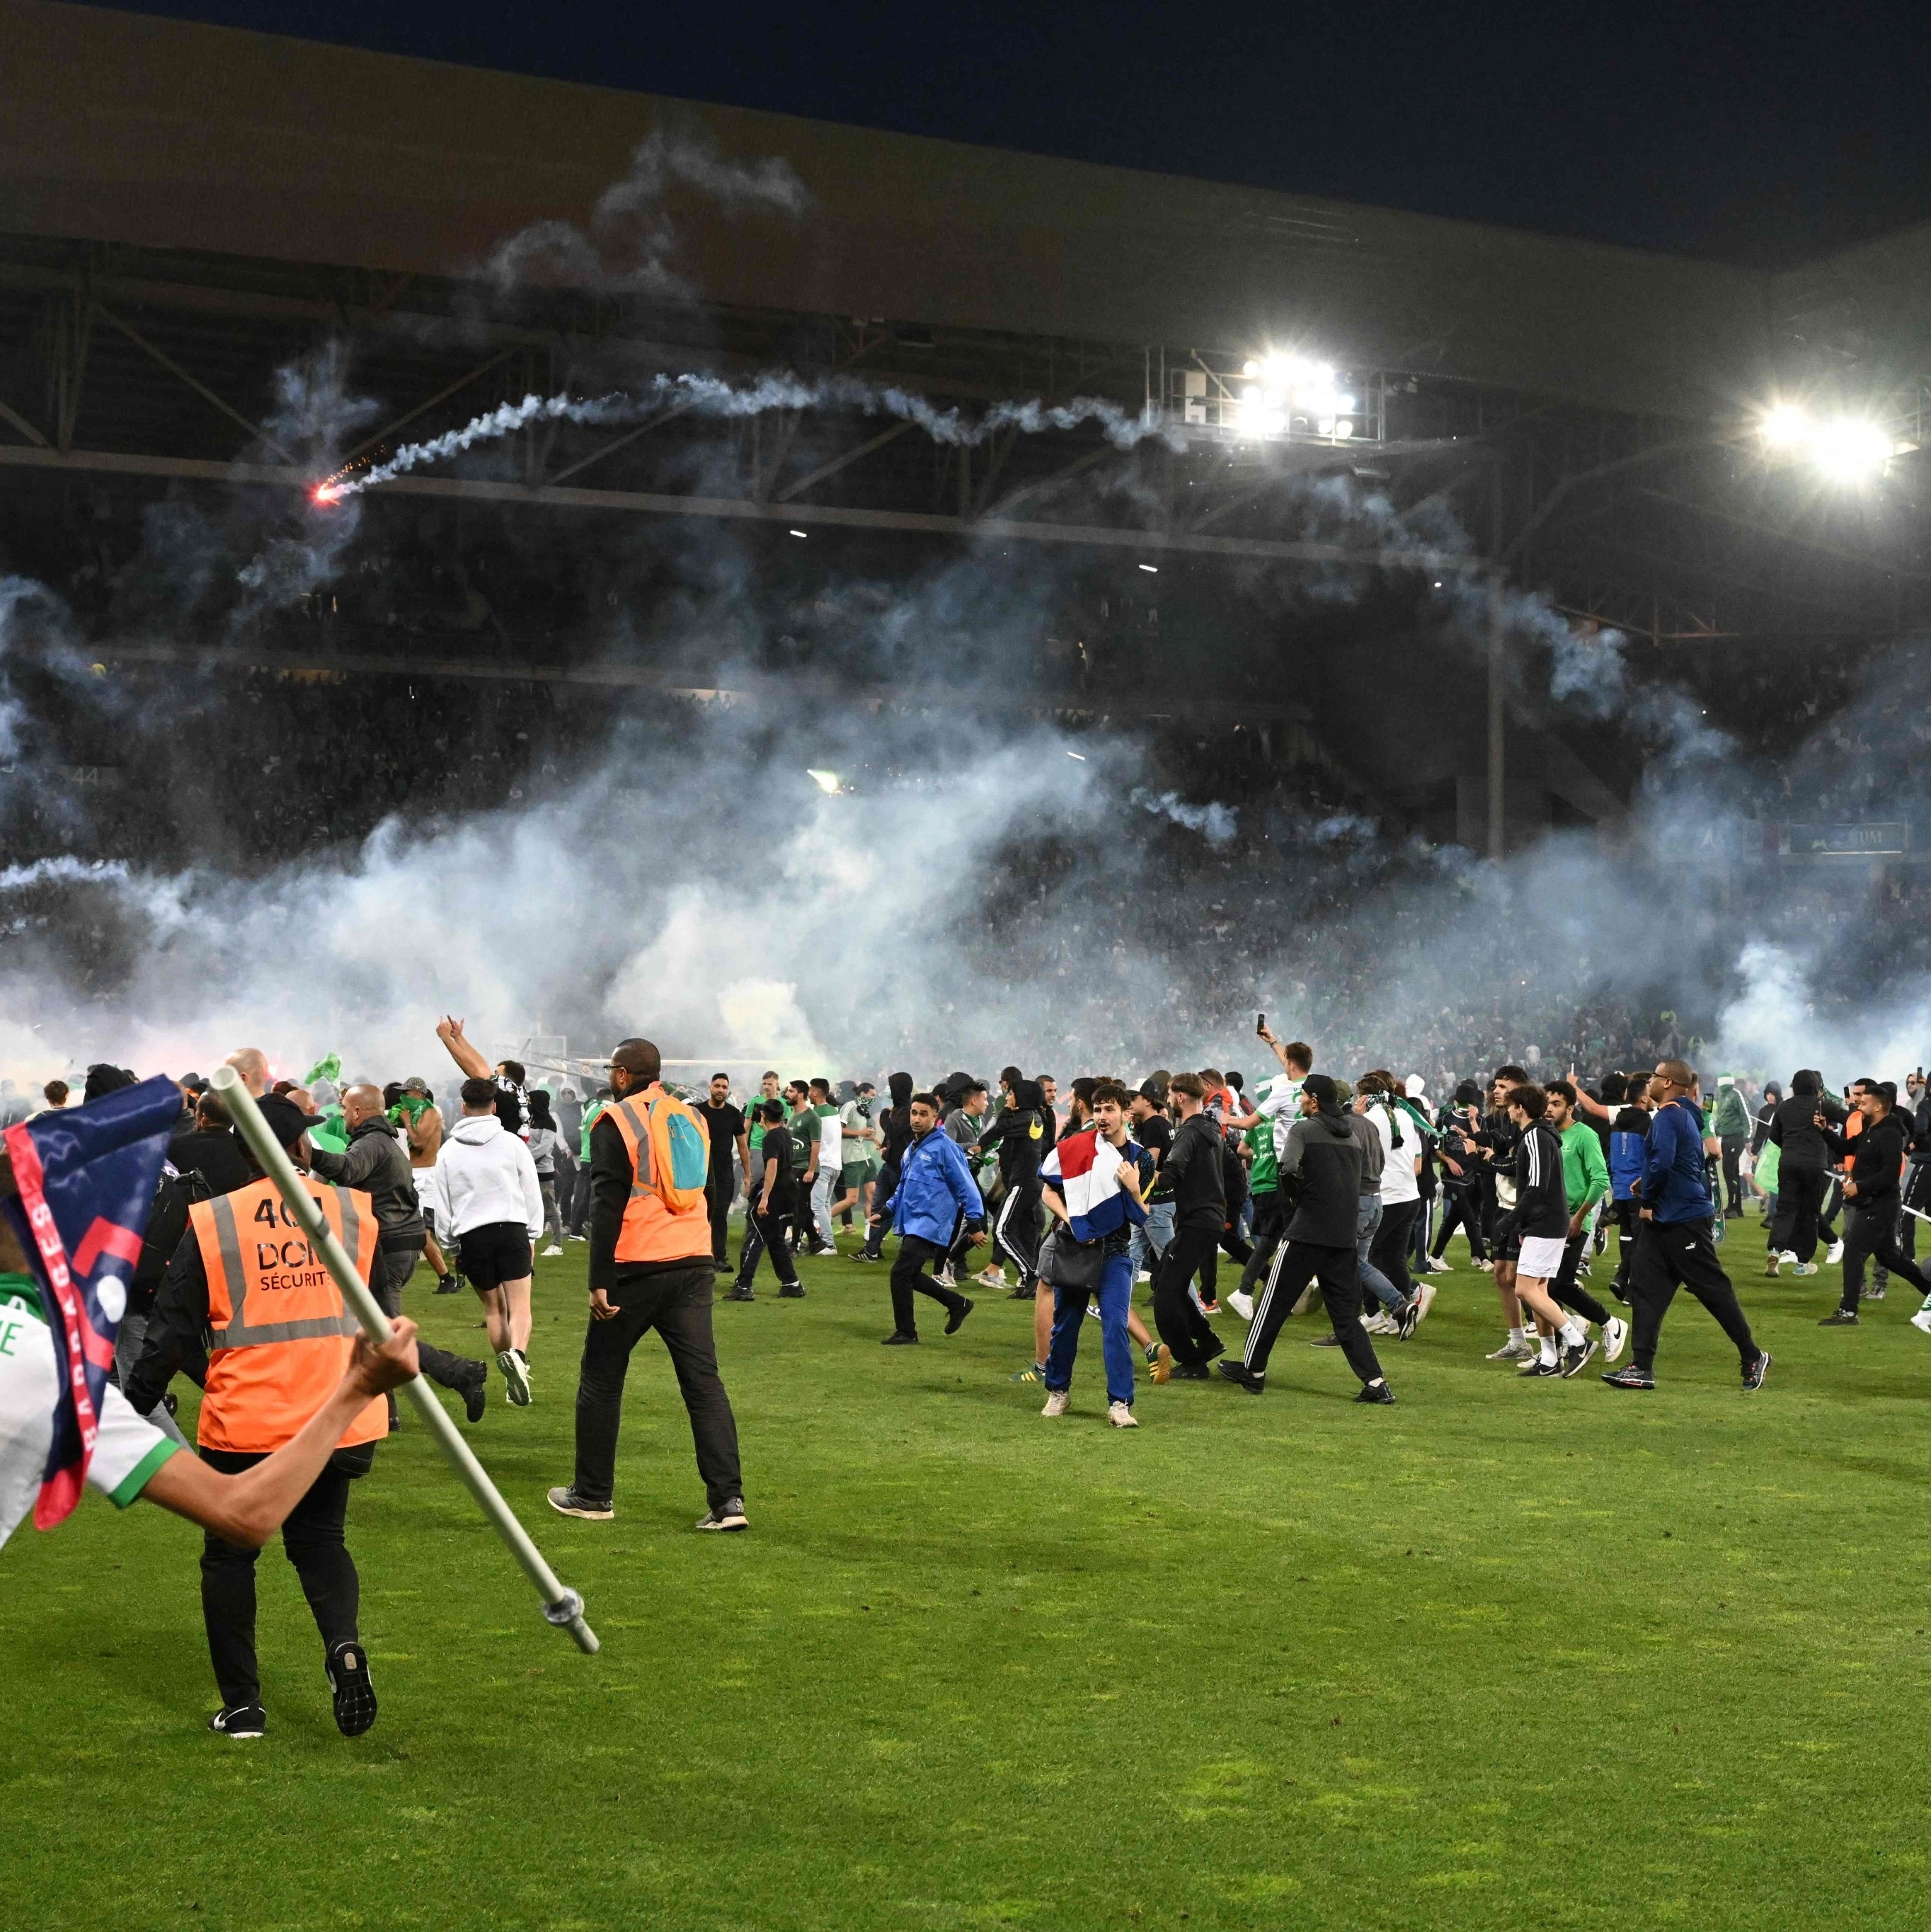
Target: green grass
<point x="1508" y="1654"/>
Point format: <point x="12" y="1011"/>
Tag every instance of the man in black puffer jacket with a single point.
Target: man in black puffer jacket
<point x="1320" y="1172"/>
<point x="375" y="1163"/>
<point x="1871" y="1192"/>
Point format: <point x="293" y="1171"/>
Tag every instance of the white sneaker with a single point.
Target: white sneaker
<point x="1425" y="1297"/>
<point x="944" y="1278"/>
<point x="1615" y="1336"/>
<point x="516" y="1374"/>
<point x="1437" y="1266"/>
<point x="1921" y="1320"/>
<point x="1057" y="1402"/>
<point x="1381" y="1325"/>
<point x="1788" y="1254"/>
<point x="1836" y="1253"/>
<point x="1141" y="1278"/>
<point x="551" y="1249"/>
<point x="1242" y="1305"/>
<point x="992" y="1277"/>
<point x="1121" y="1416"/>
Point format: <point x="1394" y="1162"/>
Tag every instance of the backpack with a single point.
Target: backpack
<point x="175" y="1192"/>
<point x="679" y="1154"/>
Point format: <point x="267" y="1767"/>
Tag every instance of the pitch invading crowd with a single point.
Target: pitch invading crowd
<point x="1322" y="1191"/>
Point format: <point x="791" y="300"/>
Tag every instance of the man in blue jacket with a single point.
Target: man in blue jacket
<point x="934" y="1195"/>
<point x="1674" y="1246"/>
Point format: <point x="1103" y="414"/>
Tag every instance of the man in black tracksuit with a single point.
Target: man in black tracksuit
<point x="1019" y="1136"/>
<point x="1320" y="1172"/>
<point x="1192" y="1178"/>
<point x="1871" y="1191"/>
<point x="376" y="1162"/>
<point x="1803" y="1172"/>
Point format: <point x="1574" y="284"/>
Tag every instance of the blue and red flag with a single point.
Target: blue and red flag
<point x="86" y="1177"/>
<point x="1084" y="1169"/>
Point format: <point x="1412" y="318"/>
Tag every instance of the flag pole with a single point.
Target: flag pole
<point x="561" y="1606"/>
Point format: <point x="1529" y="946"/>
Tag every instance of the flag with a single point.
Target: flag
<point x="86" y="1178"/>
<point x="1084" y="1168"/>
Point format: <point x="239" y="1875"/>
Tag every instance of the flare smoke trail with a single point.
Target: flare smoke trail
<point x="707" y="395"/>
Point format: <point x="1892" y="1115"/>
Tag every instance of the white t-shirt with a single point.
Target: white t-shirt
<point x="1398" y="1180"/>
<point x="1278" y="1100"/>
<point x="831" y="1143"/>
<point x="128" y="1451"/>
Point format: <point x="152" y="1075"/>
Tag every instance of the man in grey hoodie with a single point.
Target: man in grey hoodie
<point x="1320" y="1172"/>
<point x="490" y="1203"/>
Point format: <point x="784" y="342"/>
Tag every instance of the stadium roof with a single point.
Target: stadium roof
<point x="125" y="128"/>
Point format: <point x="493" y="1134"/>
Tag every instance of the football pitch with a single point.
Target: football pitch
<point x="1510" y="1654"/>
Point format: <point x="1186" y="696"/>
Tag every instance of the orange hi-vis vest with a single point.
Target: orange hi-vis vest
<point x="281" y="1335"/>
<point x="667" y="1218"/>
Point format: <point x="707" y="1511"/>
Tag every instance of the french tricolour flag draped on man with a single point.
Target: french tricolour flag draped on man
<point x="1085" y="1170"/>
<point x="86" y="1179"/>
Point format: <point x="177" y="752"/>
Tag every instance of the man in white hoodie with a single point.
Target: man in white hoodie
<point x="491" y="1205"/>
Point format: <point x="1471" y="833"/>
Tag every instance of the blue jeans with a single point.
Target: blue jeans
<point x="1149" y="1242"/>
<point x="1115" y="1294"/>
<point x="1373" y="1280"/>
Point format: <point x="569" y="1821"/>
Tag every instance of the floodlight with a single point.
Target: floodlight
<point x="1343" y="428"/>
<point x="1848" y="449"/>
<point x="826" y="781"/>
<point x="1786" y="426"/>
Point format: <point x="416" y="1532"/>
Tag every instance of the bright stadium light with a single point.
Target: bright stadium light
<point x="1282" y="393"/>
<point x="1849" y="449"/>
<point x="826" y="781"/>
<point x="1787" y="426"/>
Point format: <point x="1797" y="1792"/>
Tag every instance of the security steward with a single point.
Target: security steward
<point x="246" y="1285"/>
<point x="375" y="1162"/>
<point x="649" y="1267"/>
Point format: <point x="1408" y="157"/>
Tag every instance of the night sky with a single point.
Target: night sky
<point x="1765" y="134"/>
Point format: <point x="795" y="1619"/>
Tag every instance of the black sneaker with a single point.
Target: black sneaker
<point x="347" y="1666"/>
<point x="1410" y="1314"/>
<point x="1190" y="1371"/>
<point x="1023" y="1294"/>
<point x="1240" y="1373"/>
<point x="1539" y="1367"/>
<point x="1840" y="1318"/>
<point x="1629" y="1376"/>
<point x="957" y="1319"/>
<point x="738" y="1292"/>
<point x="866" y="1255"/>
<point x="1575" y="1359"/>
<point x="728" y="1514"/>
<point x="1753" y="1376"/>
<point x="239" y="1720"/>
<point x="476" y="1394"/>
<point x="1380" y="1394"/>
<point x="792" y="1291"/>
<point x="567" y="1502"/>
<point x="895" y="1340"/>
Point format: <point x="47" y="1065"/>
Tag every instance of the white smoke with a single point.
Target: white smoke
<point x="1216" y="824"/>
<point x="708" y="395"/>
<point x="632" y="242"/>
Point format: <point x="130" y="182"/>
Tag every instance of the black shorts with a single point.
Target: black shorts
<point x="496" y="1252"/>
<point x="1506" y="1244"/>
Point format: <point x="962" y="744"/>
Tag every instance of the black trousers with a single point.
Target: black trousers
<point x="909" y="1277"/>
<point x="1461" y="1208"/>
<point x="1917" y="1194"/>
<point x="1016" y="1230"/>
<point x="1799" y="1197"/>
<point x="767" y="1234"/>
<point x="676" y="1302"/>
<point x="1339" y="1273"/>
<point x="313" y="1539"/>
<point x="387" y="1278"/>
<point x="1733" y="1146"/>
<point x="1566" y="1288"/>
<point x="1872" y="1232"/>
<point x="1388" y="1251"/>
<point x="718" y="1191"/>
<point x="1671" y="1255"/>
<point x="1270" y="1230"/>
<point x="1826" y="1230"/>
<point x="1628" y="1219"/>
<point x="1182" y="1327"/>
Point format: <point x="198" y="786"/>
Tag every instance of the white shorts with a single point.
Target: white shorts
<point x="1541" y="1257"/>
